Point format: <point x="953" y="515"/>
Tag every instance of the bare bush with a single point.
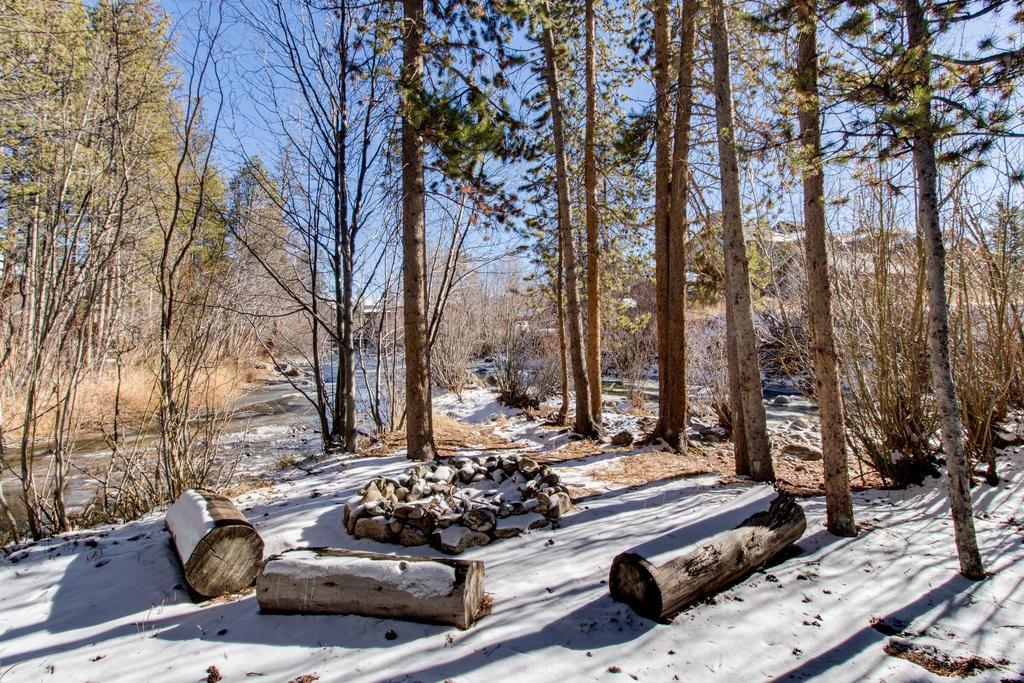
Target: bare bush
<point x="631" y="349"/>
<point x="705" y="338"/>
<point x="881" y="320"/>
<point x="987" y="266"/>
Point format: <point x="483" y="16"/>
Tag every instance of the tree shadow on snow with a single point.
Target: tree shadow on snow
<point x="952" y="593"/>
<point x="129" y="572"/>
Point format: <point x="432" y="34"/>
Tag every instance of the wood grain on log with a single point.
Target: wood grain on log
<point x="339" y="581"/>
<point x="659" y="592"/>
<point x="219" y="550"/>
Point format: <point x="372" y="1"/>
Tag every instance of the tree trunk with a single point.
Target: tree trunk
<point x="925" y="173"/>
<point x="337" y="581"/>
<point x="348" y="356"/>
<point x="660" y="591"/>
<point x="737" y="276"/>
<point x="839" y="507"/>
<point x="419" y="431"/>
<point x="584" y="424"/>
<point x="739" y="434"/>
<point x="5" y="509"/>
<point x="662" y="195"/>
<point x="345" y="400"/>
<point x="563" y="409"/>
<point x="674" y="398"/>
<point x="593" y="245"/>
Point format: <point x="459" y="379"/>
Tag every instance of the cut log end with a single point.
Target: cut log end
<point x="225" y="561"/>
<point x="632" y="581"/>
<point x="220" y="552"/>
<point x="659" y="592"/>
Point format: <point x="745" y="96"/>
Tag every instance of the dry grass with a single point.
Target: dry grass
<point x="644" y="468"/>
<point x="138" y="398"/>
<point x="804" y="479"/>
<point x="450" y="436"/>
<point x="246" y="484"/>
<point x="801" y="479"/>
<point x="940" y="663"/>
<point x="574" y="450"/>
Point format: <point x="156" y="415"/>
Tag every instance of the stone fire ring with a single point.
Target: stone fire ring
<point x="458" y="503"/>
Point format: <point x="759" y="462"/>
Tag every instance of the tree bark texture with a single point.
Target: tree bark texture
<point x="584" y="424"/>
<point x="674" y="398"/>
<point x="926" y="175"/>
<point x="419" y="432"/>
<point x="662" y="192"/>
<point x="592" y="221"/>
<point x="839" y="506"/>
<point x="660" y="592"/>
<point x="737" y="276"/>
<point x="337" y="581"/>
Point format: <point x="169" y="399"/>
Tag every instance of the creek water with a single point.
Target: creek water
<point x="274" y="417"/>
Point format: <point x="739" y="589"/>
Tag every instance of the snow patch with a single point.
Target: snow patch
<point x="421" y="579"/>
<point x="189" y="520"/>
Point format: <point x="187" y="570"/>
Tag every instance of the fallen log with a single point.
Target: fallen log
<point x="219" y="550"/>
<point x="339" y="581"/>
<point x="662" y="588"/>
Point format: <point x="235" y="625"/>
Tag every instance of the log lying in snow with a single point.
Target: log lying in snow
<point x="219" y="549"/>
<point x="661" y="588"/>
<point x="338" y="581"/>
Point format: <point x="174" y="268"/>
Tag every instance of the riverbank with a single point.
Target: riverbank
<point x="108" y="603"/>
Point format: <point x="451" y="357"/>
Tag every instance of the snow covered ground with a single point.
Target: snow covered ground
<point x="109" y="605"/>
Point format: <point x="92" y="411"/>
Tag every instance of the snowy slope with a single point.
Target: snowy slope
<point x="109" y="605"/>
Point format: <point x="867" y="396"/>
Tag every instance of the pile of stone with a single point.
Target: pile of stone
<point x="458" y="503"/>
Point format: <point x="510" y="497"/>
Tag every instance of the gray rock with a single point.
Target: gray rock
<point x="352" y="515"/>
<point x="513" y="526"/>
<point x="780" y="400"/>
<point x="374" y="528"/>
<point x="455" y="539"/>
<point x="527" y="467"/>
<point x="413" y="536"/>
<point x="443" y="474"/>
<point x="375" y="508"/>
<point x="623" y="438"/>
<point x="558" y="505"/>
<point x="801" y="451"/>
<point x="543" y="503"/>
<point x="445" y="521"/>
<point x="427" y="521"/>
<point x="479" y="519"/>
